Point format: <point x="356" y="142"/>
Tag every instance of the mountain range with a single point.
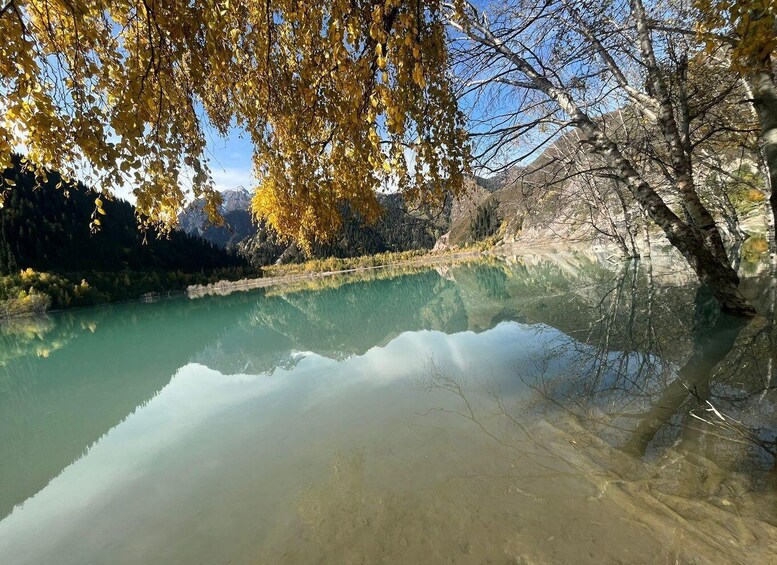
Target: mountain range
<point x="400" y="228"/>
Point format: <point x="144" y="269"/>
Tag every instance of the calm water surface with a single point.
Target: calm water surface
<point x="526" y="410"/>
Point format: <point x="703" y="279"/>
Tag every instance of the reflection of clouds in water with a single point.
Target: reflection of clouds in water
<point x="132" y="456"/>
<point x="221" y="452"/>
<point x="118" y="459"/>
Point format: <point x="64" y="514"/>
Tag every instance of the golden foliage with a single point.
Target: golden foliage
<point x="339" y="98"/>
<point x="748" y="26"/>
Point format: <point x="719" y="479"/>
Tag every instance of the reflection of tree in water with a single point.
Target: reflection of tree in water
<point x="709" y="490"/>
<point x="492" y="281"/>
<point x="323" y="318"/>
<point x="707" y="425"/>
<point x="608" y="453"/>
<point x="39" y="336"/>
<point x="630" y="384"/>
<point x="524" y="490"/>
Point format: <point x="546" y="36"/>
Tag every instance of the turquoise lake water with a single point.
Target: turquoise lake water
<point x="563" y="409"/>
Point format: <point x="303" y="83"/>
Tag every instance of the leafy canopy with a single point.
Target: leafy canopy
<point x="339" y="98"/>
<point x="748" y="26"/>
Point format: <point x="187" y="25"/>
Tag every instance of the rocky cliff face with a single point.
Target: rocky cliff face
<point x="549" y="202"/>
<point x="237" y="226"/>
<point x="530" y="203"/>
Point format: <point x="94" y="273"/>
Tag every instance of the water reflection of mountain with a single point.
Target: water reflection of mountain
<point x="99" y="364"/>
<point x="336" y="322"/>
<point x="74" y="375"/>
<point x="475" y="296"/>
<point x="68" y="380"/>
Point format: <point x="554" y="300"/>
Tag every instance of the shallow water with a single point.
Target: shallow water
<point x="516" y="410"/>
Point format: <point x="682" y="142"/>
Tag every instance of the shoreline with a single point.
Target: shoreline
<point x="222" y="288"/>
<point x="225" y="287"/>
<point x="303" y="272"/>
<point x="431" y="258"/>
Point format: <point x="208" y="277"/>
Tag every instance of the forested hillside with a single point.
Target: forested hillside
<point x="41" y="228"/>
<point x="48" y="249"/>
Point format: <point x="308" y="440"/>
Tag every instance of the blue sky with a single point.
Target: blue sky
<point x="230" y="159"/>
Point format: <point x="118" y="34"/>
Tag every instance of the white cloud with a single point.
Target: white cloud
<point x="228" y="178"/>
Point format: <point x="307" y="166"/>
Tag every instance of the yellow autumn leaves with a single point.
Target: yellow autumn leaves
<point x="344" y="116"/>
<point x="98" y="211"/>
<point x="340" y="98"/>
<point x="749" y="27"/>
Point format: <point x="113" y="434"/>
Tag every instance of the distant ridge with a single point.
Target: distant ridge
<point x="43" y="229"/>
<point x="399" y="229"/>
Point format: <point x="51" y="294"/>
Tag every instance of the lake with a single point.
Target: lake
<point x="539" y="409"/>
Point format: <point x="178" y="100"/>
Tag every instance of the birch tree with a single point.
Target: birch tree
<point x="565" y="64"/>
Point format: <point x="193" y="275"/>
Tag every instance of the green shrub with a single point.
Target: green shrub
<point x="31" y="291"/>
